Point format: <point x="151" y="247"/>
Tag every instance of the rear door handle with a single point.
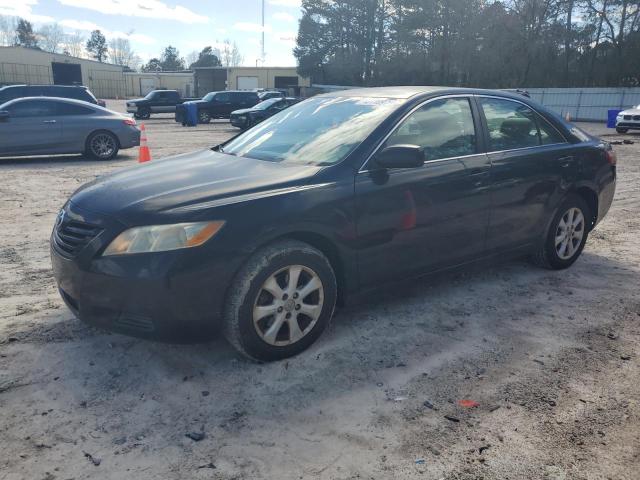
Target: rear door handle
<point x="565" y="161"/>
<point x="49" y="121"/>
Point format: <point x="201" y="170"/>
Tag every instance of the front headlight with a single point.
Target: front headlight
<point x="161" y="238"/>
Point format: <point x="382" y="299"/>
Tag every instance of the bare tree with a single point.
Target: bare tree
<point x="8" y="27"/>
<point x="51" y="38"/>
<point x="191" y="57"/>
<point x="121" y="53"/>
<point x="230" y="54"/>
<point x="74" y="44"/>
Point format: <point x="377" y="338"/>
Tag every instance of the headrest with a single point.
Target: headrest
<point x="516" y="127"/>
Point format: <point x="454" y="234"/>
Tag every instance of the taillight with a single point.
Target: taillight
<point x="129" y="121"/>
<point x="612" y="158"/>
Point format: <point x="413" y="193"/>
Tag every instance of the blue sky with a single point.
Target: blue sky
<point x="188" y="25"/>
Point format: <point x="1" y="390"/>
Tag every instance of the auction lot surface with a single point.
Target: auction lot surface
<point x="552" y="358"/>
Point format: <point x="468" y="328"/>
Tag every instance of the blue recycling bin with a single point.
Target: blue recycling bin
<point x="611" y="118"/>
<point x="191" y="114"/>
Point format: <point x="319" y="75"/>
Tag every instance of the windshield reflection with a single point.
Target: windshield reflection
<point x="318" y="131"/>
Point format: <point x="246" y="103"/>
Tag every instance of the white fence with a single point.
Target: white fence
<point x="586" y="104"/>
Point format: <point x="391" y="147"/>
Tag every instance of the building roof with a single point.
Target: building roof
<point x="43" y="52"/>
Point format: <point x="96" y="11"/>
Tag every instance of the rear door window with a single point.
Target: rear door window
<point x="511" y="125"/>
<point x="71" y="109"/>
<point x="442" y="128"/>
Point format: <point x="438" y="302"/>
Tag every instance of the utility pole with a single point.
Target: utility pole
<point x="262" y="42"/>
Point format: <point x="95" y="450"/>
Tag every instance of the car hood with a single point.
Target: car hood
<point x="135" y="100"/>
<point x="242" y="111"/>
<point x="630" y="111"/>
<point x="189" y="182"/>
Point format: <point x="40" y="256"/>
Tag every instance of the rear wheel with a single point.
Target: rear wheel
<point x="102" y="145"/>
<point x="280" y="302"/>
<point x="567" y="235"/>
<point x="204" y="116"/>
<point x="621" y="130"/>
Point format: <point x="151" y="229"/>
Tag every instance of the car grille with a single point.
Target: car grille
<point x="636" y="117"/>
<point x="70" y="237"/>
<point x="627" y="117"/>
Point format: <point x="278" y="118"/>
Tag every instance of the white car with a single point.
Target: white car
<point x="628" y="120"/>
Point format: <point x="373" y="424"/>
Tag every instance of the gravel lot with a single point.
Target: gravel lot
<point x="552" y="358"/>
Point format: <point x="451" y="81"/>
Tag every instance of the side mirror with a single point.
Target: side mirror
<point x="4" y="116"/>
<point x="401" y="156"/>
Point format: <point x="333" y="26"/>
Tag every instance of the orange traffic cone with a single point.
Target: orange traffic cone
<point x="144" y="154"/>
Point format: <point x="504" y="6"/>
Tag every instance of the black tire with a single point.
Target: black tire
<point x="204" y="116"/>
<point x="143" y="113"/>
<point x="247" y="290"/>
<point x="621" y="130"/>
<point x="102" y="137"/>
<point x="548" y="256"/>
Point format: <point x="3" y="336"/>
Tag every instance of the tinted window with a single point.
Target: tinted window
<point x="69" y="109"/>
<point x="511" y="125"/>
<point x="33" y="92"/>
<point x="443" y="128"/>
<point x="223" y="97"/>
<point x="33" y="108"/>
<point x="7" y="94"/>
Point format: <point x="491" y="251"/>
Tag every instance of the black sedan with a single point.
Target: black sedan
<point x="339" y="193"/>
<point x="248" y="117"/>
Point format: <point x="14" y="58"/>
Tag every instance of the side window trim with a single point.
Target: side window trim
<point x="479" y="146"/>
<point x="536" y="116"/>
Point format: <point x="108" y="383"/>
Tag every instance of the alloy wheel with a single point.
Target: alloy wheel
<point x="288" y="305"/>
<point x="103" y="145"/>
<point x="569" y="233"/>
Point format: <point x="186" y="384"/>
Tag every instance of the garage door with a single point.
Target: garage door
<point x="247" y="83"/>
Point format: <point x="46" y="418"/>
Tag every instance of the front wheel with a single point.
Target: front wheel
<point x="567" y="235"/>
<point x="102" y="145"/>
<point x="280" y="302"/>
<point x="621" y="130"/>
<point x="143" y="113"/>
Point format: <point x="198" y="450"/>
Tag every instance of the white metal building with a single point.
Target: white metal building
<point x="31" y="66"/>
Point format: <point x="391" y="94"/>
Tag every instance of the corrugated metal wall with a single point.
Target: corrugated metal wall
<point x="587" y="104"/>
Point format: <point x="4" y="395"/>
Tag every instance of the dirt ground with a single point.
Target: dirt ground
<point x="552" y="358"/>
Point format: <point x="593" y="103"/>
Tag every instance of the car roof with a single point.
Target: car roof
<point x="40" y="86"/>
<point x="406" y="92"/>
<point x="72" y="101"/>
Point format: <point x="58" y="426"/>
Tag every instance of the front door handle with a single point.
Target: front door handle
<point x="565" y="161"/>
<point x="49" y="121"/>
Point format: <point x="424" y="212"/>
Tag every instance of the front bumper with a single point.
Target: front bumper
<point x="239" y="121"/>
<point x="169" y="296"/>
<point x="632" y="125"/>
<point x="132" y="108"/>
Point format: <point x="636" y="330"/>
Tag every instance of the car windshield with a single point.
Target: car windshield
<point x="319" y="131"/>
<point x="266" y="103"/>
<point x="209" y="96"/>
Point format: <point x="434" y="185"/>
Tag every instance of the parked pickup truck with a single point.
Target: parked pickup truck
<point x="156" y="101"/>
<point x="219" y="105"/>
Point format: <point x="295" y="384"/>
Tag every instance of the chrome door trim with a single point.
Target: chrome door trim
<point x="461" y="95"/>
